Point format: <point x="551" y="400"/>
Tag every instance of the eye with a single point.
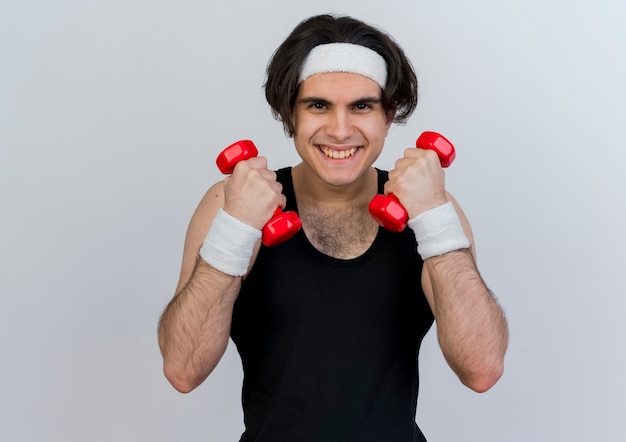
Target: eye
<point x="365" y="106"/>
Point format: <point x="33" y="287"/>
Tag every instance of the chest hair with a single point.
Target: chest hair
<point x="342" y="233"/>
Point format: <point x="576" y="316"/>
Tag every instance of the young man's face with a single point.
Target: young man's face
<point x="340" y="125"/>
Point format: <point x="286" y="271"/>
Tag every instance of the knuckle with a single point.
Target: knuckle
<point x="410" y="152"/>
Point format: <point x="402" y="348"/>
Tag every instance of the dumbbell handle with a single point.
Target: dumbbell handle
<point x="386" y="209"/>
<point x="283" y="225"/>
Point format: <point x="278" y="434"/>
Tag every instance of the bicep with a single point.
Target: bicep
<point x="198" y="227"/>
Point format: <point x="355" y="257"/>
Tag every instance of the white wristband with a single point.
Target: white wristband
<point x="229" y="244"/>
<point x="438" y="231"/>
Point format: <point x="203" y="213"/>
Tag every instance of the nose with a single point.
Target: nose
<point x="339" y="126"/>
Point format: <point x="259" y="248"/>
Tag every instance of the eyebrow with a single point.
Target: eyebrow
<point x="363" y="100"/>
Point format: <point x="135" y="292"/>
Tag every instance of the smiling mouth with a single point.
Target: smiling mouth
<point x="338" y="154"/>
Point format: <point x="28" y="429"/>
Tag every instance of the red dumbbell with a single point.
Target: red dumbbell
<point x="386" y="209"/>
<point x="283" y="225"/>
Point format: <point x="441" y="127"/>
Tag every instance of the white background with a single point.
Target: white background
<point x="111" y="115"/>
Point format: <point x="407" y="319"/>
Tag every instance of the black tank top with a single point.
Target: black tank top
<point x="329" y="347"/>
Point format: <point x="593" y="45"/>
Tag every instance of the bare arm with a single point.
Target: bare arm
<point x="195" y="326"/>
<point x="471" y="326"/>
<point x="472" y="329"/>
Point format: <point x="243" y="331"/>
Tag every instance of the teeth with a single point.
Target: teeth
<point x="338" y="154"/>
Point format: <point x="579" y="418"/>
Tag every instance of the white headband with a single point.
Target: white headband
<point x="345" y="57"/>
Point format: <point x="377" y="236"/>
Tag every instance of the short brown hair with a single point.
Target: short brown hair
<point x="283" y="70"/>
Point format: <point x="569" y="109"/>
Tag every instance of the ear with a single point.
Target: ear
<point x="389" y="117"/>
<point x="290" y="126"/>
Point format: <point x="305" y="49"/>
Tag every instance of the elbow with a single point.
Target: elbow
<point x="181" y="385"/>
<point x="483" y="379"/>
<point x="186" y="372"/>
<point x="181" y="381"/>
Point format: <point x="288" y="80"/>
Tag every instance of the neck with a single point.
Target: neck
<point x="335" y="218"/>
<point x="310" y="188"/>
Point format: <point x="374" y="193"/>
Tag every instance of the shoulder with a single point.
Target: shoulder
<point x="463" y="218"/>
<point x="198" y="227"/>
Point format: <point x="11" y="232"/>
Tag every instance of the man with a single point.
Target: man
<point x="329" y="323"/>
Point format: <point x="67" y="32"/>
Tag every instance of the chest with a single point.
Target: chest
<point x="340" y="232"/>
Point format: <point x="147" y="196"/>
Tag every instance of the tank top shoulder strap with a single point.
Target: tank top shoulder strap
<point x="383" y="177"/>
<point x="283" y="176"/>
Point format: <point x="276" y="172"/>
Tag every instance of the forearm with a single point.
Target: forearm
<point x="195" y="326"/>
<point x="471" y="326"/>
